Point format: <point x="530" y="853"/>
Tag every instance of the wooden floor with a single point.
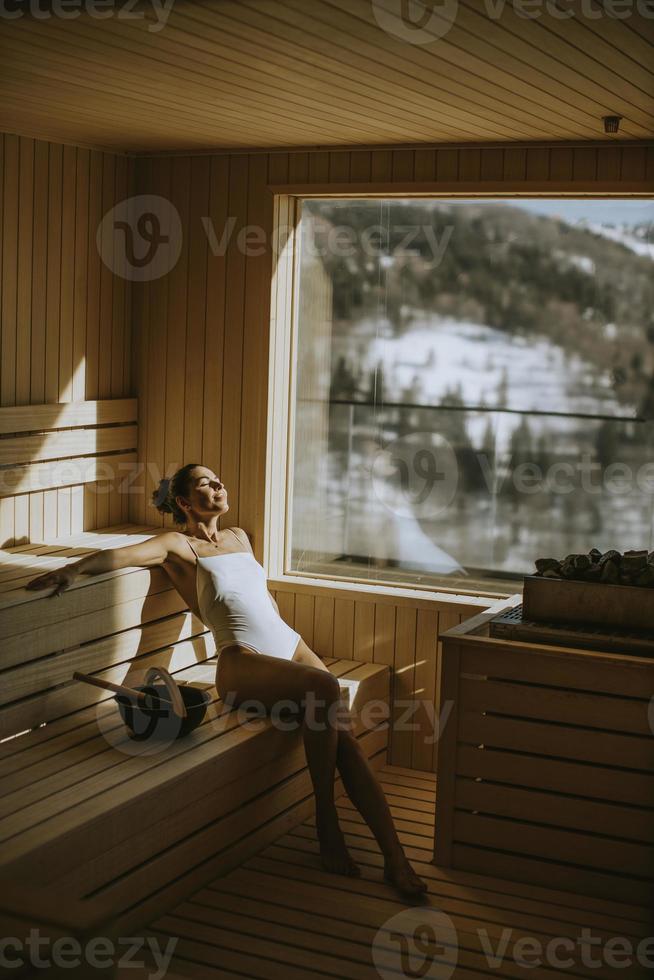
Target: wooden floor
<point x="279" y="915"/>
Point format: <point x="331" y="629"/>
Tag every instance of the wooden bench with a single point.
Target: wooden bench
<point x="104" y="818"/>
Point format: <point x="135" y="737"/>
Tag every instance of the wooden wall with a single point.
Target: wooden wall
<point x="203" y="329"/>
<point x="203" y="334"/>
<point x="65" y="328"/>
<point x="400" y="630"/>
<point x="193" y="345"/>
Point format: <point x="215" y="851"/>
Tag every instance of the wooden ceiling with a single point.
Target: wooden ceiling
<point x="277" y="73"/>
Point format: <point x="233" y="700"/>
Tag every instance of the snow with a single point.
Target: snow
<point x="621" y="236"/>
<point x="583" y="262"/>
<point x="536" y="374"/>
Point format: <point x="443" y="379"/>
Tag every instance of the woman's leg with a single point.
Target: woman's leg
<point x="365" y="791"/>
<point x="242" y="675"/>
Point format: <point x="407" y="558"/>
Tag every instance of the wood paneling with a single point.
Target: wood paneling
<point x="65" y="333"/>
<point x="252" y="73"/>
<point x="213" y="320"/>
<point x="580" y="722"/>
<point x="204" y="329"/>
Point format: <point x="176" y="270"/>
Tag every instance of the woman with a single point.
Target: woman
<point x="260" y="656"/>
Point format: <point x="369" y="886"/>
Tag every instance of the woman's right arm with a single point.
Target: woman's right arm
<point x="154" y="551"/>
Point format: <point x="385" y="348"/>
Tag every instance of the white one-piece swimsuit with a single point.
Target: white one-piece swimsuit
<point x="234" y="603"/>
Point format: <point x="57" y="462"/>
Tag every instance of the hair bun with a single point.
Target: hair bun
<point x="159" y="496"/>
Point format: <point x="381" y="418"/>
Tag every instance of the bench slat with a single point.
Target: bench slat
<point x="65" y="473"/>
<point x="94" y="539"/>
<point x="28" y="450"/>
<point x="29" y="418"/>
<point x="108" y="652"/>
<point x="20" y="568"/>
<point x="83" y="629"/>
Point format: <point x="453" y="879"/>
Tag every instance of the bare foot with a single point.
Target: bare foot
<point x="399" y="873"/>
<point x="334" y="854"/>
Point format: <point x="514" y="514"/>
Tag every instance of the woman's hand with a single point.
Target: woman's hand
<point x="59" y="580"/>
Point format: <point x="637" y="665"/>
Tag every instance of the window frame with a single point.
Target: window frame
<point x="282" y="374"/>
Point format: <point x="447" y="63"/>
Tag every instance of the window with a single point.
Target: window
<point x="474" y="386"/>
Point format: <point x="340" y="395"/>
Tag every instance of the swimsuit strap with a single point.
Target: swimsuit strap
<point x="195" y="552"/>
<point x="235" y="535"/>
<point x="191" y="546"/>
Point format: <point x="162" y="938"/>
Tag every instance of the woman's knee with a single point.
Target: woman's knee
<point x="326" y="687"/>
<point x="322" y="701"/>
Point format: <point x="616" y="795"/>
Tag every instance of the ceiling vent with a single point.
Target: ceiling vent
<point x="611" y="123"/>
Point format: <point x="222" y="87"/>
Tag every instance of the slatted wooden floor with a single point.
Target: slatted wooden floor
<point x="280" y="916"/>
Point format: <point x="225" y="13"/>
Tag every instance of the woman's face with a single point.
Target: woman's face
<point x="207" y="495"/>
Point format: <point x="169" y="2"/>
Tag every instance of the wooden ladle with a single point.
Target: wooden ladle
<point x="117" y="688"/>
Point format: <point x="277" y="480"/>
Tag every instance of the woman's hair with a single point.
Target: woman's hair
<point x="169" y="488"/>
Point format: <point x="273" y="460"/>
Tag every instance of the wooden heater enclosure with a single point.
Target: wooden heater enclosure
<point x="546" y="765"/>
